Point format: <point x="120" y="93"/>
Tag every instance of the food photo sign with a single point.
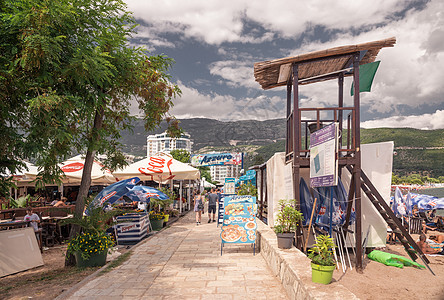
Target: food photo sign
<point x="239" y="220"/>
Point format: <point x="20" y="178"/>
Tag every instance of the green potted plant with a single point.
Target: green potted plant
<point x="90" y="246"/>
<point x="156" y="219"/>
<point x="286" y="223"/>
<point x="322" y="260"/>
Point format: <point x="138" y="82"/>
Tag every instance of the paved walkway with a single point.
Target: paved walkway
<point x="184" y="262"/>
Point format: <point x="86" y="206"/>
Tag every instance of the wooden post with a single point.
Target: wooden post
<point x="288" y="113"/>
<point x="296" y="150"/>
<point x="357" y="167"/>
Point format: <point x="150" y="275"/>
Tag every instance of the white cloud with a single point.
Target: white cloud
<point x="216" y="22"/>
<point x="236" y="73"/>
<point x="426" y="121"/>
<point x="193" y="104"/>
<point x="409" y="74"/>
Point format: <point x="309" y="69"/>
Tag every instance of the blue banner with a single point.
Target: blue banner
<point x="239" y="220"/>
<point x="216" y="159"/>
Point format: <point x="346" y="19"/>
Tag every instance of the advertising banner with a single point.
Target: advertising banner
<point x="323" y="162"/>
<point x="239" y="220"/>
<point x="216" y="159"/>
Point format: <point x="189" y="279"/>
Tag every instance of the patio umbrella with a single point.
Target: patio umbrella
<point x="115" y="191"/>
<point x="73" y="171"/>
<point x="160" y="168"/>
<point x="144" y="193"/>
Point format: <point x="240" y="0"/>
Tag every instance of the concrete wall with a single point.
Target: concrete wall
<point x="293" y="269"/>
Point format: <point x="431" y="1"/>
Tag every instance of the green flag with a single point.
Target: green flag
<point x="366" y="74"/>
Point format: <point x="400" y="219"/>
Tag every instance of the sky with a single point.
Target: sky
<point x="216" y="43"/>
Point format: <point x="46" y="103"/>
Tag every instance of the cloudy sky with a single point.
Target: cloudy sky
<point x="216" y="43"/>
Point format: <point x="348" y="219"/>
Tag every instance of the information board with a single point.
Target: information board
<point x="230" y="186"/>
<point x="323" y="162"/>
<point x="239" y="220"/>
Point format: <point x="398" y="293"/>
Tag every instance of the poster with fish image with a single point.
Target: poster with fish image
<point x="239" y="220"/>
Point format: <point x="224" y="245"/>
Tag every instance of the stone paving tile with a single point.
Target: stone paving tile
<point x="184" y="262"/>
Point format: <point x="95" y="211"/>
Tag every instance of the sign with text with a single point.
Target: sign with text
<point x="216" y="159"/>
<point x="323" y="153"/>
<point x="230" y="186"/>
<point x="239" y="220"/>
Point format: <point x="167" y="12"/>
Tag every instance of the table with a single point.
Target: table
<point x="7" y="224"/>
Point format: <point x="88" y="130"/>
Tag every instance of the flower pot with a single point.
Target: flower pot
<point x="285" y="240"/>
<point x="156" y="224"/>
<point x="95" y="260"/>
<point x="321" y="274"/>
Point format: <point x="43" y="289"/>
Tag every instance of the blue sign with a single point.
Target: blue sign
<point x="216" y="159"/>
<point x="239" y="220"/>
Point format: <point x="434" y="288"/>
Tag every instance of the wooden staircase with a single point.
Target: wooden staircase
<point x="387" y="214"/>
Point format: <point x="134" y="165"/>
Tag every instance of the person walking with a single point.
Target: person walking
<point x="213" y="200"/>
<point x="198" y="207"/>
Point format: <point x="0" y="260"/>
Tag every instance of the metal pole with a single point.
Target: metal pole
<point x="180" y="197"/>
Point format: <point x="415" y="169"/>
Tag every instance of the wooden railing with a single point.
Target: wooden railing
<point x="347" y="144"/>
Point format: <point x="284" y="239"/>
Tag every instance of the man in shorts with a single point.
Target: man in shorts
<point x="213" y="200"/>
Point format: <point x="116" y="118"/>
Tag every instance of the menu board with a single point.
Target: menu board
<point x="239" y="220"/>
<point x="230" y="186"/>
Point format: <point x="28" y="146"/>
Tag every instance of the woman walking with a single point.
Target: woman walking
<point x="198" y="207"/>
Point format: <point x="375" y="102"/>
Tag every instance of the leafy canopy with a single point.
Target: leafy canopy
<point x="68" y="77"/>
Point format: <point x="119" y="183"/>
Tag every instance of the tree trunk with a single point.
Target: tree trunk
<point x="85" y="184"/>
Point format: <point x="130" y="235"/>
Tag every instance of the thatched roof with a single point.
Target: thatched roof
<point x="315" y="65"/>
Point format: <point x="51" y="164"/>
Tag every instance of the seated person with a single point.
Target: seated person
<point x="425" y="247"/>
<point x="426" y="227"/>
<point x="61" y="202"/>
<point x="415" y="211"/>
<point x="34" y="221"/>
<point x="439" y="238"/>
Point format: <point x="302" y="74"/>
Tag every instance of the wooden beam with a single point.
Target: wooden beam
<point x="357" y="167"/>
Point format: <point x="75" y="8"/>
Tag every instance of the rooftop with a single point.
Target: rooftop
<point x="318" y="65"/>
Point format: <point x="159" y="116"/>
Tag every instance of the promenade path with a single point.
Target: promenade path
<point x="184" y="262"/>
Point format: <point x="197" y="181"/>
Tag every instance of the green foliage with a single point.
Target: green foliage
<point x="181" y="155"/>
<point x="247" y="189"/>
<point x="90" y="243"/>
<point x="97" y="219"/>
<point x="156" y="215"/>
<point x="205" y="173"/>
<point x="93" y="237"/>
<point x="288" y="216"/>
<point x="322" y="251"/>
<point x="67" y="77"/>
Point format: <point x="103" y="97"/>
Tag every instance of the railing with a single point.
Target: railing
<point x="323" y="116"/>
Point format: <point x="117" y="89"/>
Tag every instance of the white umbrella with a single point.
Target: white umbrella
<point x="73" y="170"/>
<point x="160" y="168"/>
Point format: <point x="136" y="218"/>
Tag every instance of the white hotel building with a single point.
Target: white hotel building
<point x="163" y="143"/>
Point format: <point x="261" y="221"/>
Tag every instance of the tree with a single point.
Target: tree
<point x="181" y="155"/>
<point x="70" y="73"/>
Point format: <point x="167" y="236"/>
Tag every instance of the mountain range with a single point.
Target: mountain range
<point x="416" y="151"/>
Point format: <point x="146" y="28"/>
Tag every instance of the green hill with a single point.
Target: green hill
<point x="416" y="151"/>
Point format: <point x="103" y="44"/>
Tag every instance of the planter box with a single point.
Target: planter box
<point x="157" y="224"/>
<point x="133" y="228"/>
<point x="95" y="260"/>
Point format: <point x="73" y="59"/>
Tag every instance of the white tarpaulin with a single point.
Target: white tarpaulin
<point x="377" y="160"/>
<point x="160" y="168"/>
<point x="73" y="170"/>
<point x="19" y="251"/>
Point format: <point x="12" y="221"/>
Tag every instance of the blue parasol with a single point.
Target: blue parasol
<point x="144" y="193"/>
<point x="115" y="191"/>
